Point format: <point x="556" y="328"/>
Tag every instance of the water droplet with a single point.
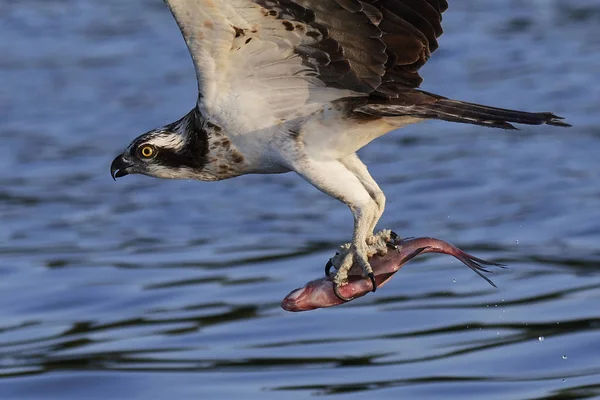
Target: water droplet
<point x="541" y="339"/>
<point x="564" y="357"/>
<point x="516" y="241"/>
<point x="564" y="380"/>
<point x="454" y="280"/>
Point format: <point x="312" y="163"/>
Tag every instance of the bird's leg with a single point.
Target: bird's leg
<point x="351" y="254"/>
<point x="359" y="169"/>
<point x="334" y="178"/>
<point x="358" y="251"/>
<point x="377" y="243"/>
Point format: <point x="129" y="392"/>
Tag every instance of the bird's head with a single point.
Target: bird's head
<point x="164" y="153"/>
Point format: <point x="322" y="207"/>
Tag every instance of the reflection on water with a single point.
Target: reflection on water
<point x="154" y="289"/>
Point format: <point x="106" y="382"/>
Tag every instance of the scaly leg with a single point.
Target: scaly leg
<point x="376" y="243"/>
<point x="335" y="179"/>
<point x="359" y="169"/>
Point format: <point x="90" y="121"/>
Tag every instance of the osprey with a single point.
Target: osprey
<point x="301" y="85"/>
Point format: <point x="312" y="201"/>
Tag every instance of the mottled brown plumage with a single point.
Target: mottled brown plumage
<point x="372" y="46"/>
<point x="376" y="47"/>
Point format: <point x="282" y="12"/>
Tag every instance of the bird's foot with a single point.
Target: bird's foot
<point x="358" y="254"/>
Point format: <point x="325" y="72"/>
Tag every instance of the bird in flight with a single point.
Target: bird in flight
<point x="301" y="86"/>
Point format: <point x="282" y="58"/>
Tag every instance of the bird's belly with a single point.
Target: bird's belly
<point x="338" y="137"/>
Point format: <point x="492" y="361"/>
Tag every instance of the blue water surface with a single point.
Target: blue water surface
<point x="154" y="289"/>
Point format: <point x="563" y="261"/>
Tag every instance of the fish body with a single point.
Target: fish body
<point x="319" y="293"/>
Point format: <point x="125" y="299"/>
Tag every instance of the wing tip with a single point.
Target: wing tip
<point x="555" y="120"/>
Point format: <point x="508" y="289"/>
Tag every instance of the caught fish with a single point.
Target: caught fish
<point x="320" y="293"/>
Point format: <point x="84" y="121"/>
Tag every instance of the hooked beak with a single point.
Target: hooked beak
<point x="119" y="167"/>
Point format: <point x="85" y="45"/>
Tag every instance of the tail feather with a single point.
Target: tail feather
<point x="436" y="107"/>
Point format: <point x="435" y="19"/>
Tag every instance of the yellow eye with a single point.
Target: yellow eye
<point x="147" y="151"/>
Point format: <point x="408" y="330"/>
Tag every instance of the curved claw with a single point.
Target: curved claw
<point x="391" y="246"/>
<point x="328" y="267"/>
<point x="372" y="278"/>
<point x="394" y="238"/>
<point x="336" y="291"/>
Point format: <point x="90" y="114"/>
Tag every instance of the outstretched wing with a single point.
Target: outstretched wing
<point x="297" y="52"/>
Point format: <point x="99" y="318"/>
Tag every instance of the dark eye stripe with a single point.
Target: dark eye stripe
<point x="193" y="155"/>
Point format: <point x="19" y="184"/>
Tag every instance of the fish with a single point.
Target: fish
<point x="319" y="293"/>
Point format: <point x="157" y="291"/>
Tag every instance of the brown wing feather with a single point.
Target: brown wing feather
<point x="411" y="30"/>
<point x="370" y="46"/>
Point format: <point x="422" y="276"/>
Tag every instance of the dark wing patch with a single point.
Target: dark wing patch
<point x="344" y="43"/>
<point x="411" y="30"/>
<point x="371" y="46"/>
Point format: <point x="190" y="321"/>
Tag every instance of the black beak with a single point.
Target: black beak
<point x="119" y="167"/>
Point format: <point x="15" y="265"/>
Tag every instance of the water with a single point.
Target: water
<point x="149" y="289"/>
